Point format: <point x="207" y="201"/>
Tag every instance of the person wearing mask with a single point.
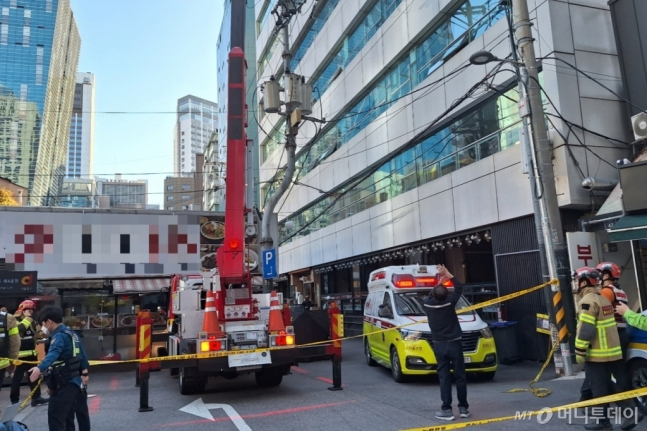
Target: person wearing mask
<point x="28" y="331"/>
<point x="611" y="290"/>
<point x="66" y="370"/>
<point x="597" y="346"/>
<point x="447" y="334"/>
<point x="307" y="304"/>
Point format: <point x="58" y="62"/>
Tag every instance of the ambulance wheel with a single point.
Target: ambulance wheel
<point x="190" y="384"/>
<point x="396" y="367"/>
<point x="268" y="378"/>
<point x="638" y="369"/>
<point x="487" y="376"/>
<point x="367" y="351"/>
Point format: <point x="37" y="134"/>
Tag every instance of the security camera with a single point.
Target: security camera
<point x="591" y="183"/>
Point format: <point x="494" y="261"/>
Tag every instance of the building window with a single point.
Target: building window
<point x="186" y="197"/>
<point x="185" y="207"/>
<point x="169" y="207"/>
<point x="169" y="187"/>
<point x="169" y="198"/>
<point x="186" y="187"/>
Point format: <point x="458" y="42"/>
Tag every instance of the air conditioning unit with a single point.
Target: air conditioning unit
<point x="639" y="124"/>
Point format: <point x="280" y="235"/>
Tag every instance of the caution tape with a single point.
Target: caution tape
<point x="33" y="391"/>
<point x="317" y="343"/>
<point x="527" y="415"/>
<point x="538" y="392"/>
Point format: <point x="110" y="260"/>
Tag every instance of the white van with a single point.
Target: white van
<point x="396" y="296"/>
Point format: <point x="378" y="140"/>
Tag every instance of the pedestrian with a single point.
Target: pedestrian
<point x="28" y="331"/>
<point x="64" y="368"/>
<point x="447" y="334"/>
<point x="307" y="304"/>
<point x="597" y="346"/>
<point x="9" y="344"/>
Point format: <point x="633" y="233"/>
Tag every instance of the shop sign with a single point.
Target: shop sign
<point x="18" y="282"/>
<point x="582" y="249"/>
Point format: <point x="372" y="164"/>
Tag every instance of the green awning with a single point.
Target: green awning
<point x="629" y="228"/>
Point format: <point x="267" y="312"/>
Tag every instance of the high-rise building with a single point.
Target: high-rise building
<point x="128" y="194"/>
<point x="79" y="193"/>
<point x="223" y="48"/>
<point x="196" y="119"/>
<point x="81" y="148"/>
<point x="183" y="193"/>
<point x="39" y="53"/>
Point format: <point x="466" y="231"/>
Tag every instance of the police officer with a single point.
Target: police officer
<point x="597" y="345"/>
<point x="27" y="330"/>
<point x="64" y="367"/>
<point x="9" y="343"/>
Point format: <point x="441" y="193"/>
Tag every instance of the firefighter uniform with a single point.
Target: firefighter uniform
<point x="27" y="330"/>
<point x="617" y="296"/>
<point x="9" y="341"/>
<point x="62" y="368"/>
<point x="598" y="343"/>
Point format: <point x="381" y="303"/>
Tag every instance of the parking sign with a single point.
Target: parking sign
<point x="269" y="264"/>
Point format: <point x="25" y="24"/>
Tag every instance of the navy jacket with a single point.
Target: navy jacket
<point x="60" y="349"/>
<point x="443" y="320"/>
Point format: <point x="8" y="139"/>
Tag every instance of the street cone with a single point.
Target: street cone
<point x="275" y="323"/>
<point x="287" y="317"/>
<point x="210" y="323"/>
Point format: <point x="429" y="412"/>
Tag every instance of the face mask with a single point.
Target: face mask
<point x="44" y="330"/>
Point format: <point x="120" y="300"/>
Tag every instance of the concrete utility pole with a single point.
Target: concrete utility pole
<point x="552" y="234"/>
<point x="293" y="100"/>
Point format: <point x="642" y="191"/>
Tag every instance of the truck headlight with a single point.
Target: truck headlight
<point x="409" y="335"/>
<point x="486" y="333"/>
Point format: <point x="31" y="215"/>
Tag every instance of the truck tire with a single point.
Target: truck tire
<point x="190" y="383"/>
<point x="269" y="377"/>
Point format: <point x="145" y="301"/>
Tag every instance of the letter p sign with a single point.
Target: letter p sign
<point x="270" y="267"/>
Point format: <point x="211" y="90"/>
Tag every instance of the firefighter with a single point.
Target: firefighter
<point x="597" y="345"/>
<point x="28" y="331"/>
<point x="9" y="343"/>
<point x="64" y="369"/>
<point x="611" y="290"/>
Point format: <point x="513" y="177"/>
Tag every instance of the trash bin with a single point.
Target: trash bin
<point x="505" y="338"/>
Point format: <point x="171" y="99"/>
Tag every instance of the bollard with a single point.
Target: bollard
<point x="143" y="351"/>
<point x="336" y="332"/>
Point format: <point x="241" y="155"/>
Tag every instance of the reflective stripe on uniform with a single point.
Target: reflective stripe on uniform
<point x="587" y="318"/>
<point x="13" y="331"/>
<point x="603" y="353"/>
<point x="26" y="353"/>
<point x="4" y="363"/>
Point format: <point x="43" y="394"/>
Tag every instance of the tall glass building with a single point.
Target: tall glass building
<point x="39" y="52"/>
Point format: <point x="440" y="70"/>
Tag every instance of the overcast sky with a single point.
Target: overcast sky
<point x="145" y="55"/>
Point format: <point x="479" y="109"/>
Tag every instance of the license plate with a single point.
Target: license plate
<point x="250" y="359"/>
<point x="468" y="360"/>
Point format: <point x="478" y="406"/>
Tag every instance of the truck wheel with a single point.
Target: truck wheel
<point x="367" y="352"/>
<point x="396" y="367"/>
<point x="638" y="369"/>
<point x="190" y="385"/>
<point x="268" y="378"/>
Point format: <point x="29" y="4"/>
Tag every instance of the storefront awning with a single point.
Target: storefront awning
<point x="139" y="285"/>
<point x="628" y="228"/>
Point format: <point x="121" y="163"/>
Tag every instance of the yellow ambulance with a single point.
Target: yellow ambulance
<point x="396" y="296"/>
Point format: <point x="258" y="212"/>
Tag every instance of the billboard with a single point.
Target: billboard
<point x="18" y="283"/>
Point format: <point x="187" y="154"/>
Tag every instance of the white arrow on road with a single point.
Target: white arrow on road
<point x="201" y="409"/>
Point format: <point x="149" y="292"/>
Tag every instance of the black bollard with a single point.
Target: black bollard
<point x="143" y="392"/>
<point x="336" y="374"/>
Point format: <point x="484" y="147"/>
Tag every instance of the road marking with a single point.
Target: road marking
<point x="93" y="408"/>
<point x="201" y="409"/>
<point x="299" y="370"/>
<point x="114" y="384"/>
<point x="258" y="415"/>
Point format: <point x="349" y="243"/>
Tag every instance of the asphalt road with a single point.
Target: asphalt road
<point x="370" y="400"/>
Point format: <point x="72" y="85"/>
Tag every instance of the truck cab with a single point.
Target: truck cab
<point x="395" y="300"/>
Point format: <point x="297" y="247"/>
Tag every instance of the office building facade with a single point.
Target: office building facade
<point x="420" y="159"/>
<point x="39" y="48"/>
<point x="80" y="155"/>
<point x="119" y="193"/>
<point x="79" y="193"/>
<point x="196" y="120"/>
<point x="224" y="46"/>
<point x="183" y="193"/>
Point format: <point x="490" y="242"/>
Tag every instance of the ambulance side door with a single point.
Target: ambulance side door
<point x="384" y="318"/>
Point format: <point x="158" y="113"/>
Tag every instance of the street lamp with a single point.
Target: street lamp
<point x="480" y="58"/>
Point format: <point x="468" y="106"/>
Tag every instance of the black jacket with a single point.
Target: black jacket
<point x="443" y="320"/>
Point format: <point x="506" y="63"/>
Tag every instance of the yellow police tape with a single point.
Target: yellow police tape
<point x="538" y="392"/>
<point x="528" y="415"/>
<point x="24" y="403"/>
<point x="317" y="343"/>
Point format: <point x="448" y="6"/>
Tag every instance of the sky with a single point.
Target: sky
<point x="145" y="55"/>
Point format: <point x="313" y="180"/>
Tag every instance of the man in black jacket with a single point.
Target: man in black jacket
<point x="446" y="334"/>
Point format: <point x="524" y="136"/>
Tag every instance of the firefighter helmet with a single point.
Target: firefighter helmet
<point x="590" y="274"/>
<point x="610" y="267"/>
<point x="27" y="304"/>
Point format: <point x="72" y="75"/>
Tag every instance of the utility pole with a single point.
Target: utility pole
<point x="551" y="236"/>
<point x="298" y="101"/>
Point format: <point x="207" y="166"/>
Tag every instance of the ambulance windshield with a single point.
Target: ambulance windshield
<point x="411" y="303"/>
